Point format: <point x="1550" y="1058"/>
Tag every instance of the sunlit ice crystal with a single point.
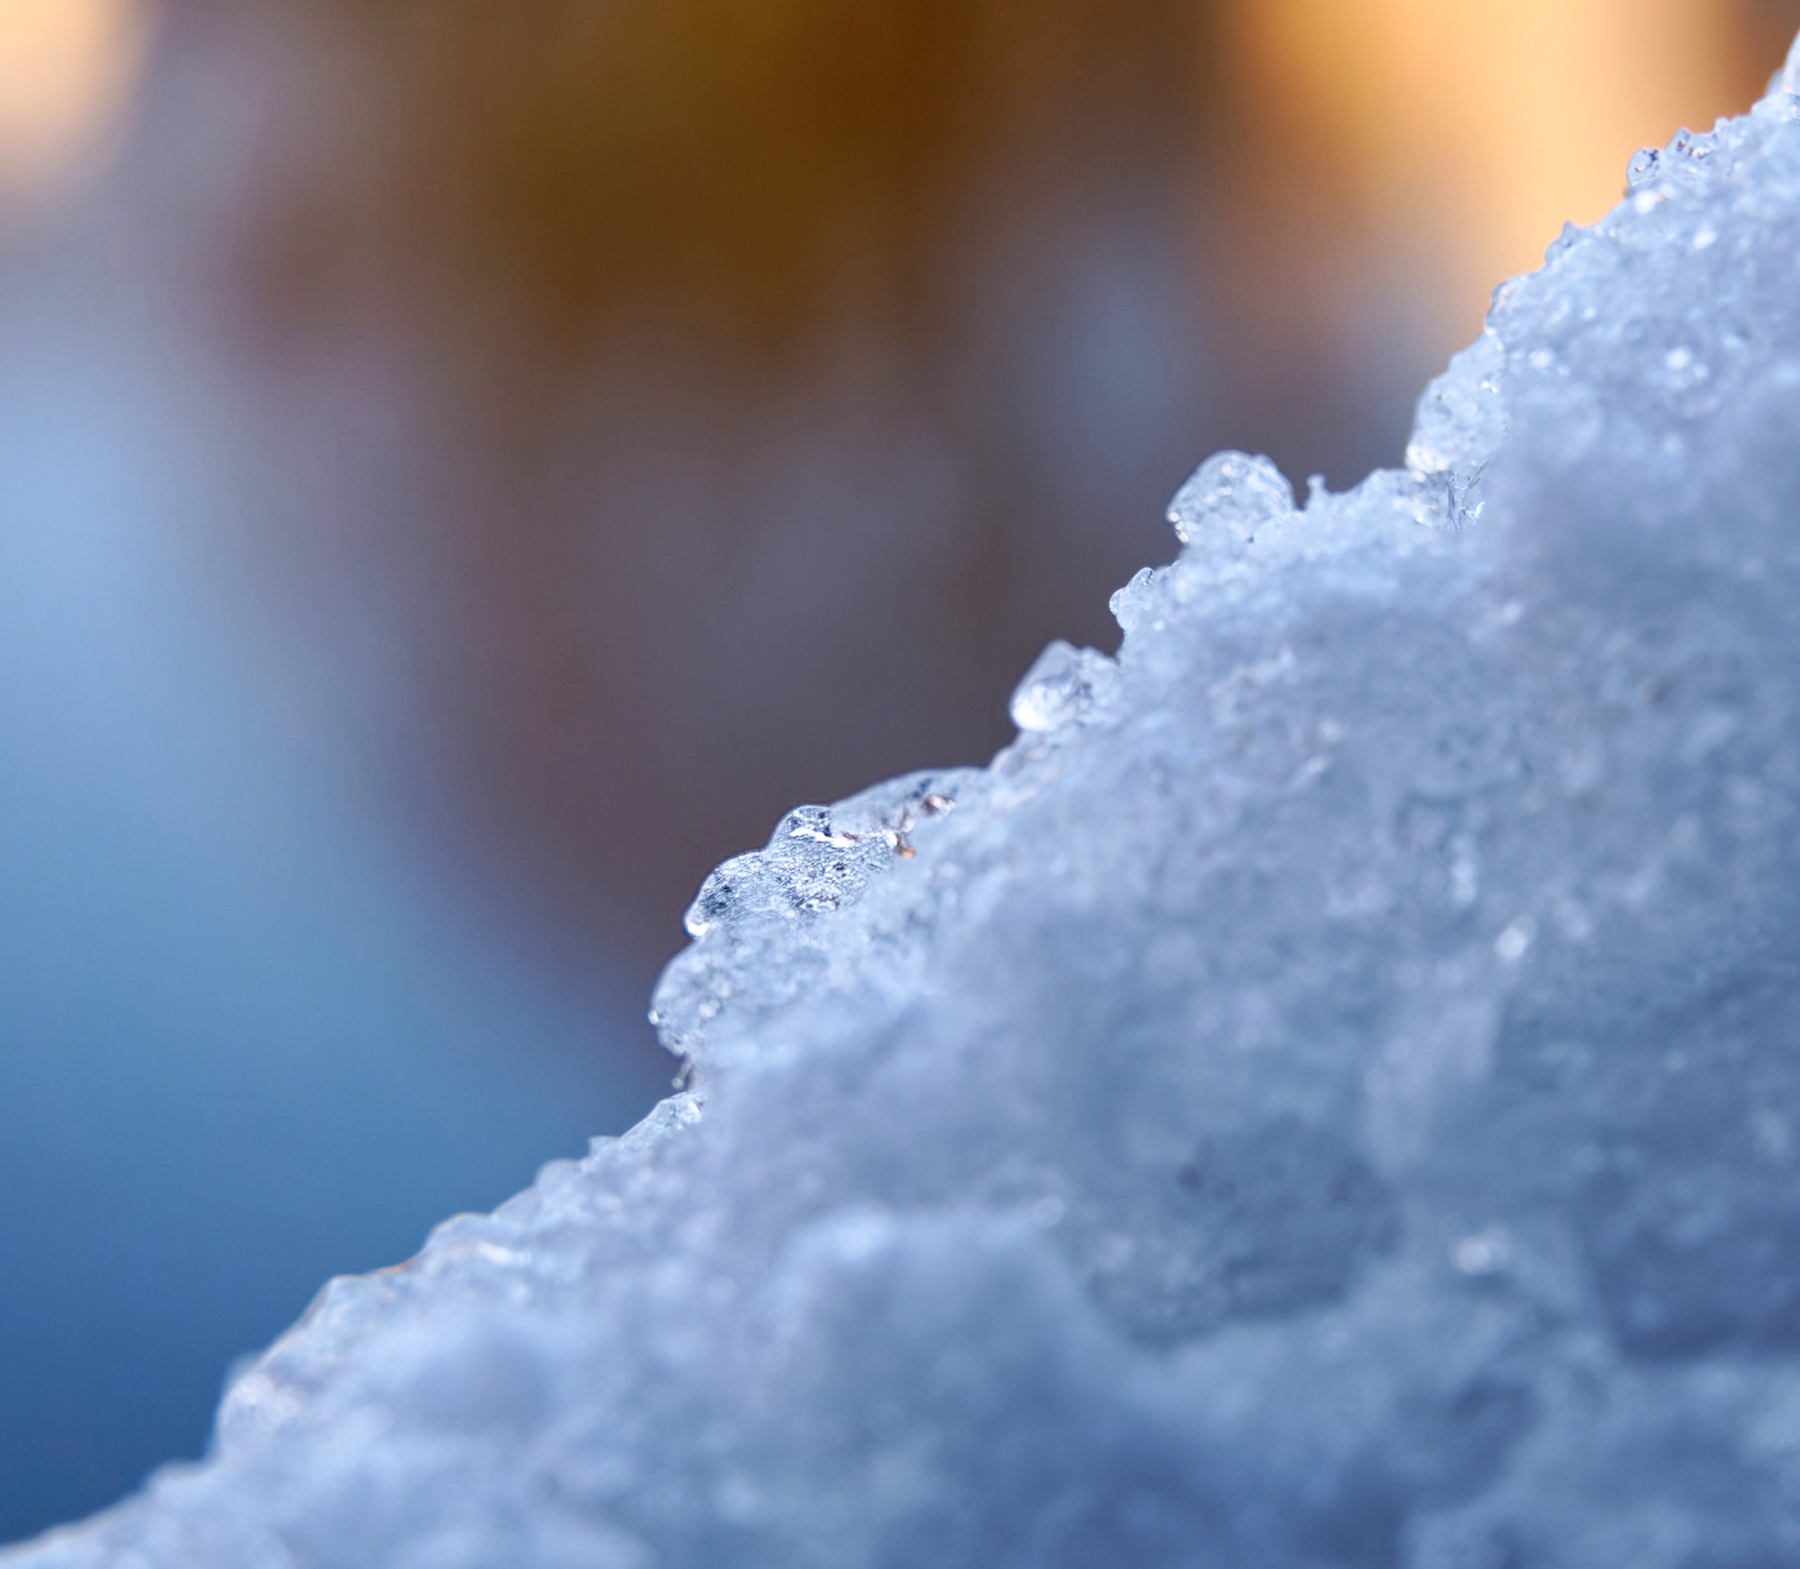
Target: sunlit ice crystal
<point x="1328" y="1094"/>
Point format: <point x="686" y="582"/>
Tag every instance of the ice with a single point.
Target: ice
<point x="1233" y="491"/>
<point x="1328" y="1094"/>
<point x="1061" y="686"/>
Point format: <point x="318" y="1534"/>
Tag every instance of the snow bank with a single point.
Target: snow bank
<point x="1329" y="1094"/>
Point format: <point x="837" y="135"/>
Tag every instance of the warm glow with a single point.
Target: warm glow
<point x="66" y="69"/>
<point x="1473" y="128"/>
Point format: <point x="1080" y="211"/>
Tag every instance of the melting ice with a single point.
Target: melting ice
<point x="1328" y="1094"/>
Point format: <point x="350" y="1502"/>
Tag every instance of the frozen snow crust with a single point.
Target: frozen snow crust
<point x="1329" y="1094"/>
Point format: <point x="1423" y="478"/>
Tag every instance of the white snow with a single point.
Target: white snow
<point x="1329" y="1094"/>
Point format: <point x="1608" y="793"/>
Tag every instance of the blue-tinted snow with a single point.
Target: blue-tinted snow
<point x="1329" y="1094"/>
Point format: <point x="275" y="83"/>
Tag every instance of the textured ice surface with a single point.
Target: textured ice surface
<point x="1329" y="1094"/>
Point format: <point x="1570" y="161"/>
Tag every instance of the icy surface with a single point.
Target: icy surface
<point x="1329" y="1094"/>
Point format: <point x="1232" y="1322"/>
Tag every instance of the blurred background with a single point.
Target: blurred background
<point x="466" y="467"/>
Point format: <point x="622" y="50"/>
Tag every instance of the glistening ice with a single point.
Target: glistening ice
<point x="1328" y="1094"/>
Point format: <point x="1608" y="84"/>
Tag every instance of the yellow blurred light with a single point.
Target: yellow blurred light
<point x="66" y="69"/>
<point x="1472" y="129"/>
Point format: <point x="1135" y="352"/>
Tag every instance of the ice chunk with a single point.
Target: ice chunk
<point x="1328" y="1094"/>
<point x="1787" y="79"/>
<point x="1233" y="491"/>
<point x="1061" y="686"/>
<point x="1462" y="417"/>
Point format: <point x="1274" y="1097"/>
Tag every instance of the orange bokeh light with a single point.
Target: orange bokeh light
<point x="1472" y="130"/>
<point x="67" y="67"/>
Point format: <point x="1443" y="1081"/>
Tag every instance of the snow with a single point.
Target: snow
<point x="1326" y="1095"/>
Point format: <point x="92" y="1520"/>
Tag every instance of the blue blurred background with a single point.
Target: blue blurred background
<point x="466" y="468"/>
<point x="250" y="1033"/>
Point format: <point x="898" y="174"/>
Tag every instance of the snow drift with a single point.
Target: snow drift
<point x="1328" y="1094"/>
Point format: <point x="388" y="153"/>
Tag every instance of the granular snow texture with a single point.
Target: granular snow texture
<point x="1328" y="1094"/>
